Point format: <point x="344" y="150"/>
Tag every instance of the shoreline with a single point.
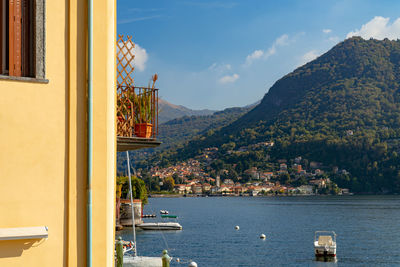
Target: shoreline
<point x="297" y="195"/>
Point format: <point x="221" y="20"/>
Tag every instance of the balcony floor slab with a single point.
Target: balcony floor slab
<point x="134" y="143"/>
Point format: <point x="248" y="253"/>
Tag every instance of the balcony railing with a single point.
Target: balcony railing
<point x="137" y="107"/>
<point x="137" y="112"/>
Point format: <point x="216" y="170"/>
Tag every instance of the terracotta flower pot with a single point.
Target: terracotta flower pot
<point x="143" y="129"/>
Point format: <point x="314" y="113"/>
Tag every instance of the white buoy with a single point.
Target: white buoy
<point x="192" y="264"/>
<point x="262" y="236"/>
<point x="237" y="227"/>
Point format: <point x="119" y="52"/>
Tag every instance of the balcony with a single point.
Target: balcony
<point x="137" y="107"/>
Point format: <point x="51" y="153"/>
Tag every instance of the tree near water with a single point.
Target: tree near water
<point x="168" y="184"/>
<point x="139" y="190"/>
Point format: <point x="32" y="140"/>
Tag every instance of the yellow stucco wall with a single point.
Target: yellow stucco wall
<point x="43" y="144"/>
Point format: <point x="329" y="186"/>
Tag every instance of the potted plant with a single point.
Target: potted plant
<point x="143" y="112"/>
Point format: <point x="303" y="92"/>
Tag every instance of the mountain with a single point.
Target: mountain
<point x="168" y="111"/>
<point x="180" y="130"/>
<point x="341" y="109"/>
<point x="176" y="132"/>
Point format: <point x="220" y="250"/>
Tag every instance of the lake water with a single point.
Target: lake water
<point x="367" y="228"/>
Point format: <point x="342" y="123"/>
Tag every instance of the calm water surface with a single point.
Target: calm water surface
<point x="367" y="228"/>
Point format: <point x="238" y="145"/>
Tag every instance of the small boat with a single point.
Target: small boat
<point x="141" y="261"/>
<point x="160" y="226"/>
<point x="169" y="216"/>
<point x="164" y="211"/>
<point x="325" y="244"/>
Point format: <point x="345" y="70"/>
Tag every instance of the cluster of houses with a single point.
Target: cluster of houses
<point x="194" y="177"/>
<point x="190" y="168"/>
<point x="254" y="188"/>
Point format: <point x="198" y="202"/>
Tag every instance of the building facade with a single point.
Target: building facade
<point x="43" y="136"/>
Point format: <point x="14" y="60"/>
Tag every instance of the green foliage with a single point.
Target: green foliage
<point x="139" y="190"/>
<point x="284" y="178"/>
<point x="175" y="133"/>
<point x="143" y="111"/>
<point x="342" y="109"/>
<point x="168" y="184"/>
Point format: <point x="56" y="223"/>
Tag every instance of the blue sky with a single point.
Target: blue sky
<point x="219" y="54"/>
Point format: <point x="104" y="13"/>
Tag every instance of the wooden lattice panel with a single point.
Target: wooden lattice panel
<point x="125" y="58"/>
<point x="125" y="83"/>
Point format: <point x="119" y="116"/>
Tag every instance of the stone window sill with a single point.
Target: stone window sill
<point x="24" y="233"/>
<point x="23" y="79"/>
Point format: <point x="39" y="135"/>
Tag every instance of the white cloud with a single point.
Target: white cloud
<point x="307" y="57"/>
<point x="282" y="40"/>
<point x="260" y="54"/>
<point x="228" y="78"/>
<point x="220" y="67"/>
<point x="378" y="28"/>
<point x="326" y="30"/>
<point x="140" y="56"/>
<point x="130" y="20"/>
<point x="253" y="56"/>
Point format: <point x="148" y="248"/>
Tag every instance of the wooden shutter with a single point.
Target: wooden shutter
<point x="15" y="37"/>
<point x="1" y="36"/>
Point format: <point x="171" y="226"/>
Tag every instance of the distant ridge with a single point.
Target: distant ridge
<point x="169" y="111"/>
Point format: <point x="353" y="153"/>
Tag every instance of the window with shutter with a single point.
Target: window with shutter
<point x="22" y="24"/>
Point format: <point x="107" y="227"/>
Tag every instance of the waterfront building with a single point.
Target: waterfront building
<point x="206" y="187"/>
<point x="283" y="167"/>
<point x="44" y="137"/>
<point x="180" y="189"/>
<point x="228" y="182"/>
<point x="197" y="189"/>
<point x="306" y="189"/>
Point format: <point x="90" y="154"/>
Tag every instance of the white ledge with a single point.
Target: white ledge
<point x="24" y="233"/>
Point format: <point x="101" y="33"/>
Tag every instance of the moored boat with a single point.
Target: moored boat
<point x="325" y="244"/>
<point x="141" y="261"/>
<point x="169" y="216"/>
<point x="160" y="226"/>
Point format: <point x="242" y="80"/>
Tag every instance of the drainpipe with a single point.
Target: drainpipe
<point x="90" y="135"/>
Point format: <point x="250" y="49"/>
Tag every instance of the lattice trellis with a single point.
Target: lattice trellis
<point x="125" y="85"/>
<point x="125" y="58"/>
<point x="128" y="96"/>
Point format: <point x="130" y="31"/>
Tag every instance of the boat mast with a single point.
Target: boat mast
<point x="132" y="208"/>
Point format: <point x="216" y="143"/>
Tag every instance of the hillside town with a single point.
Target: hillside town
<point x="283" y="177"/>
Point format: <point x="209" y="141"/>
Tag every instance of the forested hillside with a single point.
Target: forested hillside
<point x="174" y="133"/>
<point x="342" y="109"/>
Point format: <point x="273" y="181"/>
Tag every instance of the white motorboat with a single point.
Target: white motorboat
<point x="325" y="244"/>
<point x="140" y="261"/>
<point x="164" y="212"/>
<point x="160" y="226"/>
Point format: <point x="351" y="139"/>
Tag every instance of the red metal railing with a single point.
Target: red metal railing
<point x="137" y="111"/>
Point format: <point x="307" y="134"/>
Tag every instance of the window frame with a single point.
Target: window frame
<point x="37" y="25"/>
